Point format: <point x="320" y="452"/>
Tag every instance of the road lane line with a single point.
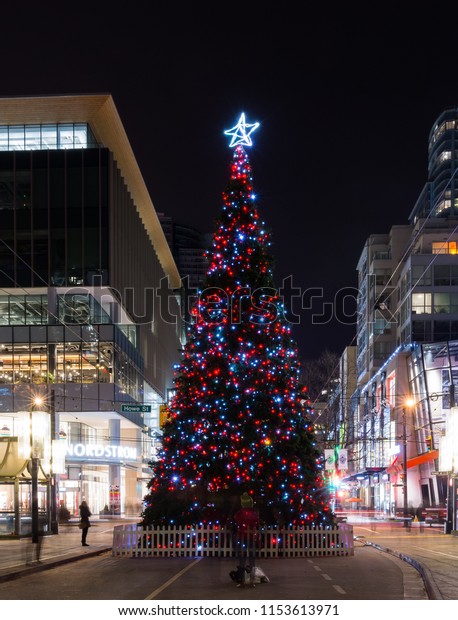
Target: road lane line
<point x="450" y="555"/>
<point x="384" y="534"/>
<point x="327" y="577"/>
<point x="339" y="589"/>
<point x="171" y="580"/>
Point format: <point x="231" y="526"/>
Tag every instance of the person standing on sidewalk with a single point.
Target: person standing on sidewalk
<point x="84" y="523"/>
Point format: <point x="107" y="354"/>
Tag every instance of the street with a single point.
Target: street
<point x="368" y="575"/>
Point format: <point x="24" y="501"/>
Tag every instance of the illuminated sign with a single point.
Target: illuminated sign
<point x="98" y="451"/>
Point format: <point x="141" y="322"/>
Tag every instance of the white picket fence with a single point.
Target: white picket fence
<point x="133" y="540"/>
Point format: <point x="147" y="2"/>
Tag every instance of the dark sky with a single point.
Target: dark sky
<point x="345" y="101"/>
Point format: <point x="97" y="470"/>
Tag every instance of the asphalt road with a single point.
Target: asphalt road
<point x="369" y="575"/>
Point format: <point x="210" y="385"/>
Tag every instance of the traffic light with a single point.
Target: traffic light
<point x="429" y="442"/>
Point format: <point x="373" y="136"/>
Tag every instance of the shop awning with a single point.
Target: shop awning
<point x="423" y="458"/>
<point x="397" y="465"/>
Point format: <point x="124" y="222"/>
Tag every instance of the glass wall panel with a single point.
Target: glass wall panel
<point x="3" y="138"/>
<point x="16" y="138"/>
<point x="435" y="355"/>
<point x="454" y="275"/>
<point x="4" y="310"/>
<point x="80" y="135"/>
<point x="23" y="310"/>
<point x="17" y="311"/>
<point x="421" y="276"/>
<point x="442" y="302"/>
<point x="453" y="352"/>
<point x="421" y="331"/>
<point x="6" y="362"/>
<point x="91" y="141"/>
<point x="57" y="217"/>
<point x="32" y="137"/>
<point x="6" y="187"/>
<point x="441" y="330"/>
<point x="442" y="275"/>
<point x="49" y="136"/>
<point x="36" y="309"/>
<point x="65" y="136"/>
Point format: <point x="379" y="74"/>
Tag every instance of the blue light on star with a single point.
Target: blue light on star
<point x="241" y="132"/>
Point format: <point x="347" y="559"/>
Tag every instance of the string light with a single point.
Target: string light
<point x="237" y="421"/>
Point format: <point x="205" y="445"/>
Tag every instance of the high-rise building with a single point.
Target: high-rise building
<point x="189" y="247"/>
<point x="90" y="315"/>
<point x="407" y="339"/>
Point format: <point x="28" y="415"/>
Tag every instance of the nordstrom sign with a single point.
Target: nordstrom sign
<point x="88" y="450"/>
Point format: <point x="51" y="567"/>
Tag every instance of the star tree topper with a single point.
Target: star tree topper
<point x="241" y="132"/>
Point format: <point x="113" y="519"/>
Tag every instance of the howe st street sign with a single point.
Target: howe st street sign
<point x="135" y="408"/>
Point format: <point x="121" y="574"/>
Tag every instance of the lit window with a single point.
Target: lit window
<point x="444" y="247"/>
<point x="421" y="303"/>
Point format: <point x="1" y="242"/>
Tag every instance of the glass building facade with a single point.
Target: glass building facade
<point x="54" y="210"/>
<point x="82" y="257"/>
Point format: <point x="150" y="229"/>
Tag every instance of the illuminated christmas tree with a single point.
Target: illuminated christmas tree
<point x="237" y="422"/>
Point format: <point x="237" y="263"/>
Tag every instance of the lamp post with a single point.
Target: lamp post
<point x="409" y="404"/>
<point x="35" y="445"/>
<point x="448" y="462"/>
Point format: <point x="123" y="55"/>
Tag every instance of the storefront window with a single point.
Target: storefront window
<point x="8" y="523"/>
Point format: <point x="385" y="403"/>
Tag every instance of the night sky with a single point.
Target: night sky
<point x="345" y="102"/>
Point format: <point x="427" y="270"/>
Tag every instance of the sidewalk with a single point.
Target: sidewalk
<point x="19" y="557"/>
<point x="433" y="553"/>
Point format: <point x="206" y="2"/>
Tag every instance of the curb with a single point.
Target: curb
<point x="45" y="565"/>
<point x="431" y="587"/>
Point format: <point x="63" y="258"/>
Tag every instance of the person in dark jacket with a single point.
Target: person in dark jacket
<point x="85" y="524"/>
<point x="246" y="521"/>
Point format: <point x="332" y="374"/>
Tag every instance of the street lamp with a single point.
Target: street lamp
<point x="408" y="404"/>
<point x="448" y="462"/>
<point x="35" y="445"/>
